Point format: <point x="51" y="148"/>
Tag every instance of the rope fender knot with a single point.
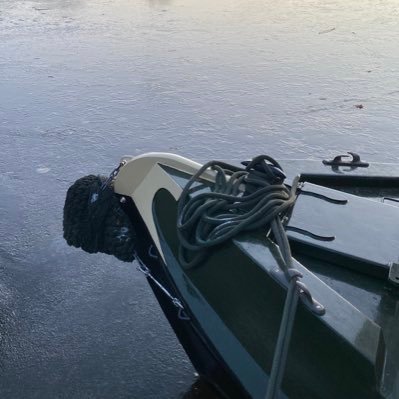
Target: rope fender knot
<point x="94" y="220"/>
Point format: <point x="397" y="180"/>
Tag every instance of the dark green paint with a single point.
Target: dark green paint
<point x="338" y="355"/>
<point x="366" y="234"/>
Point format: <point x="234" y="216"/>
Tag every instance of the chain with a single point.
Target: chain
<point x="113" y="174"/>
<point x="141" y="267"/>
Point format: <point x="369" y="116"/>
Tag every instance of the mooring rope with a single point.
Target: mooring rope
<point x="240" y="200"/>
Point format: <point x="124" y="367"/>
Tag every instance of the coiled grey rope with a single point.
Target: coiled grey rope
<point x="242" y="200"/>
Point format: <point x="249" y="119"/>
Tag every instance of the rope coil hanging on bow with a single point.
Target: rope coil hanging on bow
<point x="240" y="200"/>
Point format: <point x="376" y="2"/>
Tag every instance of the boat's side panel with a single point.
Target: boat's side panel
<point x="195" y="342"/>
<point x="228" y="346"/>
<point x="327" y="359"/>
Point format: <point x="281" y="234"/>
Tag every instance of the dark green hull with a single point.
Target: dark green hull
<point x="235" y="301"/>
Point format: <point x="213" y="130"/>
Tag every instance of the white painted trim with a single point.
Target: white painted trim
<point x="141" y="177"/>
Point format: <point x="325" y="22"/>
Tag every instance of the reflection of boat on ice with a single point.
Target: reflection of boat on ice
<point x="212" y="242"/>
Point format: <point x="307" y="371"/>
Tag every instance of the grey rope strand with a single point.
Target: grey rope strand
<point x="288" y="318"/>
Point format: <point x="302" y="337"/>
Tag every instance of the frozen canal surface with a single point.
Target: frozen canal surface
<point x="83" y="82"/>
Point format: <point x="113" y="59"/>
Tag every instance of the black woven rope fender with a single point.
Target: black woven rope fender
<point x="94" y="221"/>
